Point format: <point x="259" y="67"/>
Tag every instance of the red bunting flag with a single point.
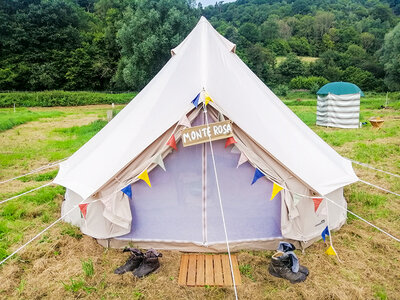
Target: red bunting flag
<point x="230" y="141"/>
<point x="172" y="143"/>
<point x="317" y="202"/>
<point x="83" y="208"/>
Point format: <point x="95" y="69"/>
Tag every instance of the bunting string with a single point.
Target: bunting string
<point x="352" y="213"/>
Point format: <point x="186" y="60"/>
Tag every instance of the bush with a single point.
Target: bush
<point x="308" y="83"/>
<point x="61" y="98"/>
<point x="281" y="90"/>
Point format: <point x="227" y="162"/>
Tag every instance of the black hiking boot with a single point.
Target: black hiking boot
<point x="281" y="267"/>
<point x="149" y="264"/>
<point x="286" y="247"/>
<point x="132" y="263"/>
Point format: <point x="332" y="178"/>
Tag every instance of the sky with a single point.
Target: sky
<point x="212" y="2"/>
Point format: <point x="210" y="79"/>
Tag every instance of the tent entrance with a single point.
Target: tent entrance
<point x="182" y="205"/>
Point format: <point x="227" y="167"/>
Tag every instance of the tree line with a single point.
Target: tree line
<point x="122" y="44"/>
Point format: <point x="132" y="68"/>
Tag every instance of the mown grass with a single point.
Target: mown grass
<point x="366" y="272"/>
<point x="10" y="119"/>
<point x="60" y="143"/>
<point x="31" y="211"/>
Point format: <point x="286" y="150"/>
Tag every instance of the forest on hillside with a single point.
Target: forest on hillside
<point x="120" y="45"/>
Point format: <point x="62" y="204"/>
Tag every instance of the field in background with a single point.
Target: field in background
<point x="304" y="59"/>
<point x="65" y="263"/>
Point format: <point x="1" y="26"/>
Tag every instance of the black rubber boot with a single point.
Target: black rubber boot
<point x="149" y="264"/>
<point x="132" y="263"/>
<point x="280" y="267"/>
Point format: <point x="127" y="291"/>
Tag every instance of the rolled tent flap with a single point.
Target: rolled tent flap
<point x="117" y="210"/>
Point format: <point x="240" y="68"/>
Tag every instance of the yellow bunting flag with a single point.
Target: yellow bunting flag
<point x="207" y="98"/>
<point x="145" y="177"/>
<point x="330" y="251"/>
<point x="275" y="190"/>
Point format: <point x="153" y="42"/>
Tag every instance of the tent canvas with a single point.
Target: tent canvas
<point x="338" y="105"/>
<point x="179" y="211"/>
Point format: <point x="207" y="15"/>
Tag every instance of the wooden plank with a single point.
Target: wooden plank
<point x="191" y="277"/>
<point x="200" y="270"/>
<point x="209" y="270"/>
<point x="219" y="281"/>
<point x="236" y="272"/>
<point x="183" y="269"/>
<point x="226" y="269"/>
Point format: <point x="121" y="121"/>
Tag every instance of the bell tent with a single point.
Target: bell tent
<point x="136" y="183"/>
<point x="338" y="105"/>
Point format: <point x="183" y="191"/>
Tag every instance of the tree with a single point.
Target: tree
<point x="390" y="57"/>
<point x="364" y="79"/>
<point x="323" y="22"/>
<point x="250" y="32"/>
<point x="291" y="67"/>
<point x="261" y="61"/>
<point x="150" y="29"/>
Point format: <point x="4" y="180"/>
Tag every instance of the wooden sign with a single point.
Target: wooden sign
<point x="201" y="134"/>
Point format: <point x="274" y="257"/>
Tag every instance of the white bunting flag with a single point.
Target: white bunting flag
<point x="221" y="117"/>
<point x="242" y="159"/>
<point x="159" y="161"/>
<point x="323" y="211"/>
<point x="296" y="199"/>
<point x="185" y="121"/>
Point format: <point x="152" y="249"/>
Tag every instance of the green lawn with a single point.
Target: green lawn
<point x="72" y="265"/>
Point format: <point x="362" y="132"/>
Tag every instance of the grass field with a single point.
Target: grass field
<point x="304" y="59"/>
<point x="63" y="263"/>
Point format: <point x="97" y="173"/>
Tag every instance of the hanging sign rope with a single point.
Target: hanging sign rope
<point x="201" y="134"/>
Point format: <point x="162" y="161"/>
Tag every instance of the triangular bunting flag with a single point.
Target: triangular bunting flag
<point x="221" y="117"/>
<point x="172" y="142"/>
<point x="242" y="159"/>
<point x="275" y="190"/>
<point x="296" y="199"/>
<point x="330" y="251"/>
<point x="195" y="101"/>
<point x="325" y="233"/>
<point x="317" y="202"/>
<point x="323" y="211"/>
<point x="207" y="99"/>
<point x="230" y="141"/>
<point x="127" y="191"/>
<point x="83" y="208"/>
<point x="235" y="150"/>
<point x="257" y="174"/>
<point x="159" y="161"/>
<point x="145" y="177"/>
<point x="185" y="121"/>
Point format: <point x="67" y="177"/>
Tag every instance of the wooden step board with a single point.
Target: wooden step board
<point x="207" y="269"/>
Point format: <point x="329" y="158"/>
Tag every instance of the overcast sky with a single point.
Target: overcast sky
<point x="212" y="2"/>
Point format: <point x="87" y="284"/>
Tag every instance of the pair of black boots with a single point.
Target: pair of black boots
<point x="141" y="264"/>
<point x="284" y="264"/>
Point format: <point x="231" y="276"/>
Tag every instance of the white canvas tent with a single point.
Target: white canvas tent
<point x="338" y="105"/>
<point x="181" y="210"/>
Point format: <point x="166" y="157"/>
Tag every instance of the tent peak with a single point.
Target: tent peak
<point x="203" y="32"/>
